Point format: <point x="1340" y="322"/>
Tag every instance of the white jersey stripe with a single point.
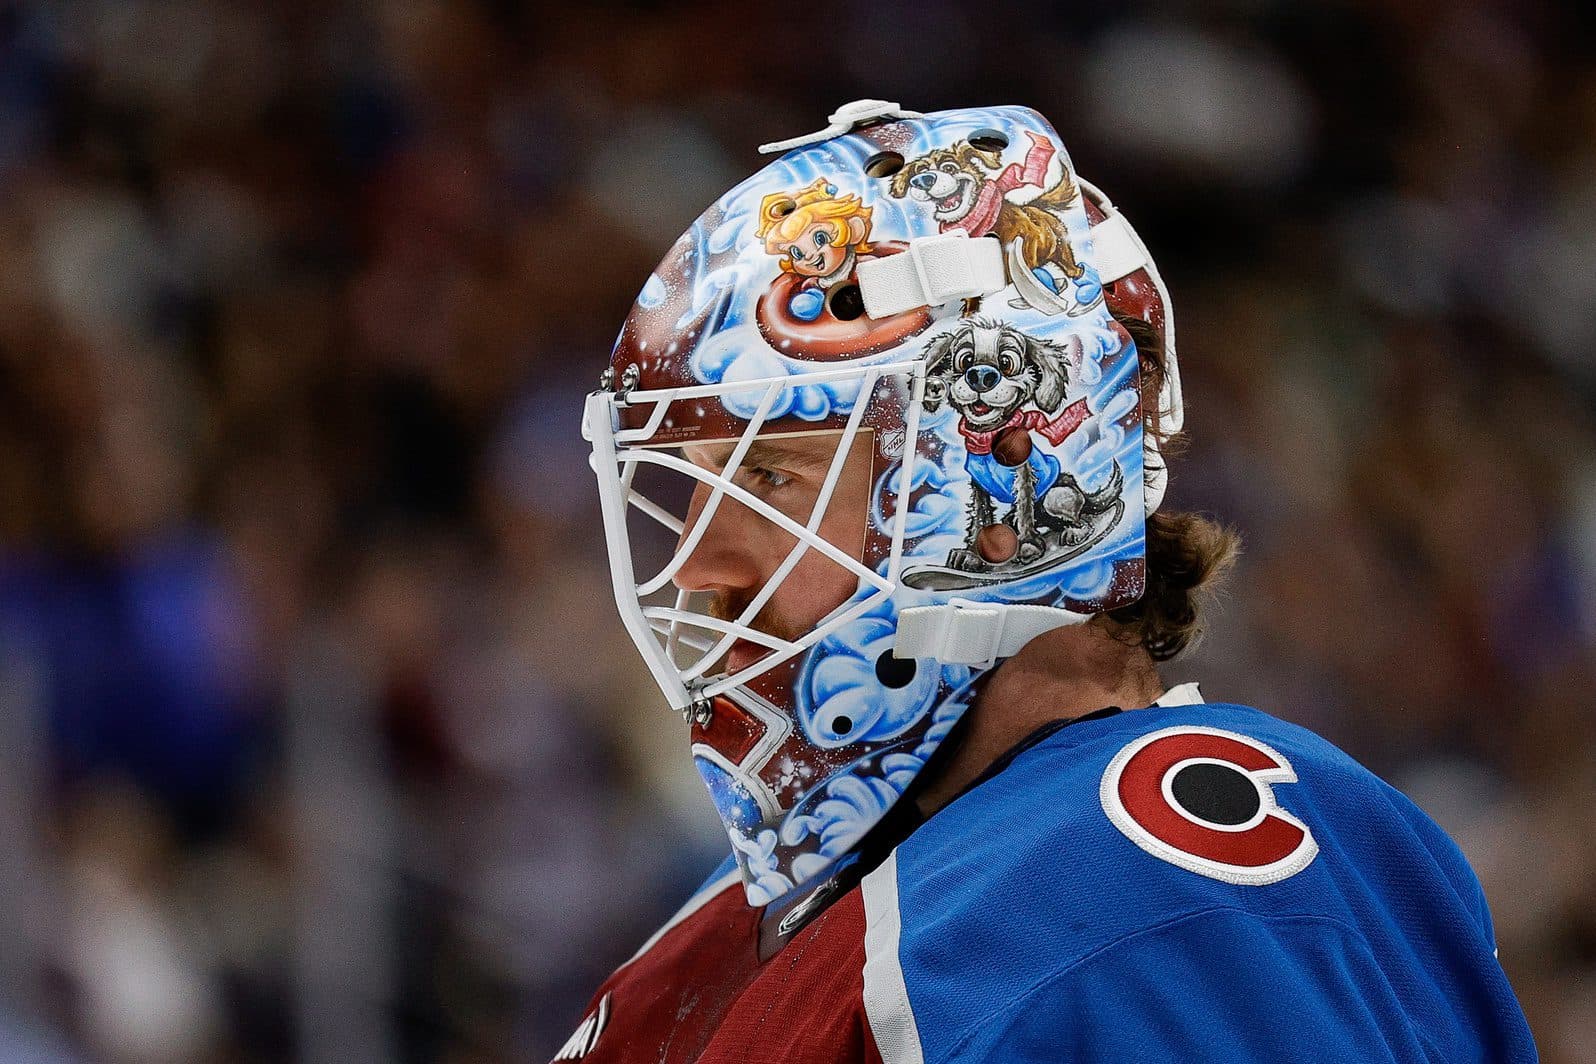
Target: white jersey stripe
<point x="886" y="997"/>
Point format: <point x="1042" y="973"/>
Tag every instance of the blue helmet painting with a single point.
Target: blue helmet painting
<point x="882" y="378"/>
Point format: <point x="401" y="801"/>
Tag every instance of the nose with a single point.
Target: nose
<point x="923" y="181"/>
<point x="982" y="378"/>
<point x="721" y="559"/>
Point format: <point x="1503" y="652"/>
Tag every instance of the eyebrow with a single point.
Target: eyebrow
<point x="763" y="453"/>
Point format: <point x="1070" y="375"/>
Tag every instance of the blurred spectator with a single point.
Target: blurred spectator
<point x="320" y="740"/>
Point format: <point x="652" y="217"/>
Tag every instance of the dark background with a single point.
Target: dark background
<point x="318" y="739"/>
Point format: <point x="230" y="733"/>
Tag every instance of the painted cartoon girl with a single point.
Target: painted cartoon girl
<point x="819" y="236"/>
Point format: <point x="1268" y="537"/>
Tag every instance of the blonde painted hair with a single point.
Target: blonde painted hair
<point x="783" y="217"/>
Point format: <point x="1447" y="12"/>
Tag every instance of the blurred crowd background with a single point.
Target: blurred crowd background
<point x="318" y="739"/>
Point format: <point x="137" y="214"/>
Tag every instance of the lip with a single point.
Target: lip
<point x="980" y="409"/>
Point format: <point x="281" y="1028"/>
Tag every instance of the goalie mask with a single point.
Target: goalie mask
<point x="870" y="427"/>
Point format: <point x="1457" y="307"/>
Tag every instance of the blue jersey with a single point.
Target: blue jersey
<point x="1177" y="883"/>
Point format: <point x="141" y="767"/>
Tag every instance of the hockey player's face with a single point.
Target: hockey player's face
<point x="741" y="549"/>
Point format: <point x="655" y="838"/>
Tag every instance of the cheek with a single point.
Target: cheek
<point x="1010" y="392"/>
<point x="814" y="588"/>
<point x="819" y="585"/>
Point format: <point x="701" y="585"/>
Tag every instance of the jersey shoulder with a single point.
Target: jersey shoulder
<point x="1210" y="795"/>
<point x="1115" y="825"/>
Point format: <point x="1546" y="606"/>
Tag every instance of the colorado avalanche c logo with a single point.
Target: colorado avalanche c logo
<point x="1201" y="798"/>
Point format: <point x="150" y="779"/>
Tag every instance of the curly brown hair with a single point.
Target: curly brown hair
<point x="1188" y="554"/>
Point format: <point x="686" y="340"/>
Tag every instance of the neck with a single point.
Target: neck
<point x="1063" y="674"/>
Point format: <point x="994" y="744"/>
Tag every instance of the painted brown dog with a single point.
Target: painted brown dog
<point x="967" y="187"/>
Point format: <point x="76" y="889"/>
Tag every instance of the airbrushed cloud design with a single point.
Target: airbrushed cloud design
<point x="739" y="353"/>
<point x="934" y="511"/>
<point x="842" y="701"/>
<point x="1091" y="453"/>
<point x="757" y="857"/>
<point x="733" y="800"/>
<point x="857" y="798"/>
<point x="1097" y="344"/>
<point x="653" y="293"/>
<point x="853" y="804"/>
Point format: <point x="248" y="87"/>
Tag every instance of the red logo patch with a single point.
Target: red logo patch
<point x="1203" y="799"/>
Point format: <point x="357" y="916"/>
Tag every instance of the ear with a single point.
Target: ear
<point x="856" y="230"/>
<point x="938" y="370"/>
<point x="938" y="354"/>
<point x="1054" y="361"/>
<point x="985" y="156"/>
<point x="900" y="180"/>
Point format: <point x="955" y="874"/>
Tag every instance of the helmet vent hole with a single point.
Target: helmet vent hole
<point x="988" y="140"/>
<point x="894" y="672"/>
<point x="883" y="164"/>
<point x="842" y="725"/>
<point x="846" y="302"/>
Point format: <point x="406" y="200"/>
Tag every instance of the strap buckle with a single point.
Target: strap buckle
<point x="933" y="270"/>
<point x="845" y="119"/>
<point x="958" y="633"/>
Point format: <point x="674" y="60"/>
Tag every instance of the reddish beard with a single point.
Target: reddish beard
<point x="728" y="606"/>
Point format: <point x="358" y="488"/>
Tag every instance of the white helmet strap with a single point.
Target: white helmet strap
<point x="977" y="634"/>
<point x="1117" y="251"/>
<point x="845" y="119"/>
<point x="933" y="270"/>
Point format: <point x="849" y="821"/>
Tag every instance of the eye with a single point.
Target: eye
<point x="821" y="238"/>
<point x="770" y="478"/>
<point x="961" y="359"/>
<point x="795" y="252"/>
<point x="950" y="168"/>
<point x="1009" y="358"/>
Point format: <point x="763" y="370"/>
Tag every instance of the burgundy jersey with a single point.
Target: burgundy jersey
<point x="700" y="992"/>
<point x="1192" y="882"/>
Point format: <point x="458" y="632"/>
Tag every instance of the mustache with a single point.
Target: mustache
<point x="728" y="606"/>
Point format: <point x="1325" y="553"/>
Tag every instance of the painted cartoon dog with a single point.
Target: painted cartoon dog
<point x="1004" y="382"/>
<point x="969" y="190"/>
